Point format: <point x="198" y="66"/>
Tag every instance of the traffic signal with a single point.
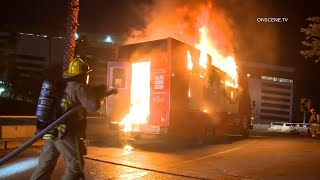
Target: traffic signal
<point x="305" y="104"/>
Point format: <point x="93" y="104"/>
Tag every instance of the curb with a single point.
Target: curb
<point x="14" y="143"/>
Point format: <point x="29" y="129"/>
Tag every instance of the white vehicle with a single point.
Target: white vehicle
<point x="285" y="127"/>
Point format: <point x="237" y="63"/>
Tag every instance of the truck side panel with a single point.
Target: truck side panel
<point x="187" y="116"/>
<point x="160" y="92"/>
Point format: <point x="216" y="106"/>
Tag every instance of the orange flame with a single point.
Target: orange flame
<point x="184" y="26"/>
<point x="140" y="97"/>
<point x="190" y="64"/>
<point x="128" y="148"/>
<point x="226" y="64"/>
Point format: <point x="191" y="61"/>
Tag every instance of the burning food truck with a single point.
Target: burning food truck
<point x="166" y="90"/>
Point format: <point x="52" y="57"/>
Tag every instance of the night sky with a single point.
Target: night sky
<point x="273" y="43"/>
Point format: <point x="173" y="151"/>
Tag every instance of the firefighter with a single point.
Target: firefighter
<point x="314" y="122"/>
<point x="68" y="138"/>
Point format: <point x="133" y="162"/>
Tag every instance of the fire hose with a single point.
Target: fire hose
<point x="39" y="135"/>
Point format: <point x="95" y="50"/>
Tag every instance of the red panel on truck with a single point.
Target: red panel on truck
<point x="160" y="92"/>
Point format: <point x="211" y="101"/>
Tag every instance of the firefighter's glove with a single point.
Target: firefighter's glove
<point x="110" y="92"/>
<point x="99" y="91"/>
<point x="114" y="91"/>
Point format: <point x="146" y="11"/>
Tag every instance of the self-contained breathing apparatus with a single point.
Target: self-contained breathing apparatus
<point x="48" y="105"/>
<point x="50" y="99"/>
<point x="51" y="95"/>
<point x="48" y="113"/>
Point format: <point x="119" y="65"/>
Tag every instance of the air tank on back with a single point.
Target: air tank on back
<point x="46" y="102"/>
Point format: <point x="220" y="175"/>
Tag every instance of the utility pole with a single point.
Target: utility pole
<point x="71" y="29"/>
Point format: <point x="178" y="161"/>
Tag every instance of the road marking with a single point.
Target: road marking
<point x="134" y="175"/>
<point x="146" y="169"/>
<point x="215" y="154"/>
<point x="258" y="136"/>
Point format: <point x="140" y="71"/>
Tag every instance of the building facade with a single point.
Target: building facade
<point x="271" y="91"/>
<point x="29" y="58"/>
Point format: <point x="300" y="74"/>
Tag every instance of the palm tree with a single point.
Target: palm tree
<point x="71" y="29"/>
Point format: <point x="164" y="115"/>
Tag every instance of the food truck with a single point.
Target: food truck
<point x="165" y="91"/>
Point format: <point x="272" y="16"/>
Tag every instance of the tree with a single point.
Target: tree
<point x="312" y="40"/>
<point x="71" y="29"/>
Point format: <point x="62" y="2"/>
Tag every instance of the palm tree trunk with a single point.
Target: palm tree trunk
<point x="71" y="29"/>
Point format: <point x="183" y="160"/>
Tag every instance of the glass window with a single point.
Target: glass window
<point x="119" y="77"/>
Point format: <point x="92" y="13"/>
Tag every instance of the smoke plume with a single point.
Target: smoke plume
<point x="232" y="26"/>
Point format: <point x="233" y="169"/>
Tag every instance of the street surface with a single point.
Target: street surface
<point x="257" y="157"/>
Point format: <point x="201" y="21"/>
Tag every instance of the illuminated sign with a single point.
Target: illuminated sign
<point x="282" y="80"/>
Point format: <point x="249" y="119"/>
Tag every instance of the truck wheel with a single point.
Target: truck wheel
<point x="245" y="127"/>
<point x="120" y="139"/>
<point x="209" y="134"/>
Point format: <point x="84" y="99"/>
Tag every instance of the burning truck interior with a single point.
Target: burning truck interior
<point x="168" y="88"/>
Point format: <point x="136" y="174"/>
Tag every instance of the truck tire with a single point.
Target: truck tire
<point x="209" y="134"/>
<point x="245" y="126"/>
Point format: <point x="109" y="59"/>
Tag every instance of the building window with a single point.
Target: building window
<point x="118" y="78"/>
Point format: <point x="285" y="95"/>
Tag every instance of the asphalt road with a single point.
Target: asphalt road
<point x="257" y="157"/>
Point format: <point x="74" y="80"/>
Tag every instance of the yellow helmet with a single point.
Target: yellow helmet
<point x="76" y="67"/>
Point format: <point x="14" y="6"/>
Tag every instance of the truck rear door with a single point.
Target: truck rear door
<point x="118" y="76"/>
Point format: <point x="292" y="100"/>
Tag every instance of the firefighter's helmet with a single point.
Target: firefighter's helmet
<point x="76" y="67"/>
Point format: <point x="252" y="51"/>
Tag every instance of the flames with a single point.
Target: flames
<point x="202" y="25"/>
<point x="139" y="97"/>
<point x="226" y="64"/>
<point x="128" y="148"/>
<point x="203" y="46"/>
<point x="190" y="64"/>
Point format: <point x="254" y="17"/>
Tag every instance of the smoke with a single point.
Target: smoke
<point x="232" y="26"/>
<point x="182" y="20"/>
<point x="253" y="40"/>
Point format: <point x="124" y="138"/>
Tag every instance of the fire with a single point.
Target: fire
<point x="204" y="44"/>
<point x="212" y="37"/>
<point x="190" y="64"/>
<point x="140" y="97"/>
<point x="128" y="148"/>
<point x="226" y="64"/>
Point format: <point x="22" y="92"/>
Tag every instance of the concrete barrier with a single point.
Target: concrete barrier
<point x="12" y="143"/>
<point x="13" y="136"/>
<point x="17" y="131"/>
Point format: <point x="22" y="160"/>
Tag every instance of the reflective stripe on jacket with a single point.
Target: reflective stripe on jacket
<point x="76" y="93"/>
